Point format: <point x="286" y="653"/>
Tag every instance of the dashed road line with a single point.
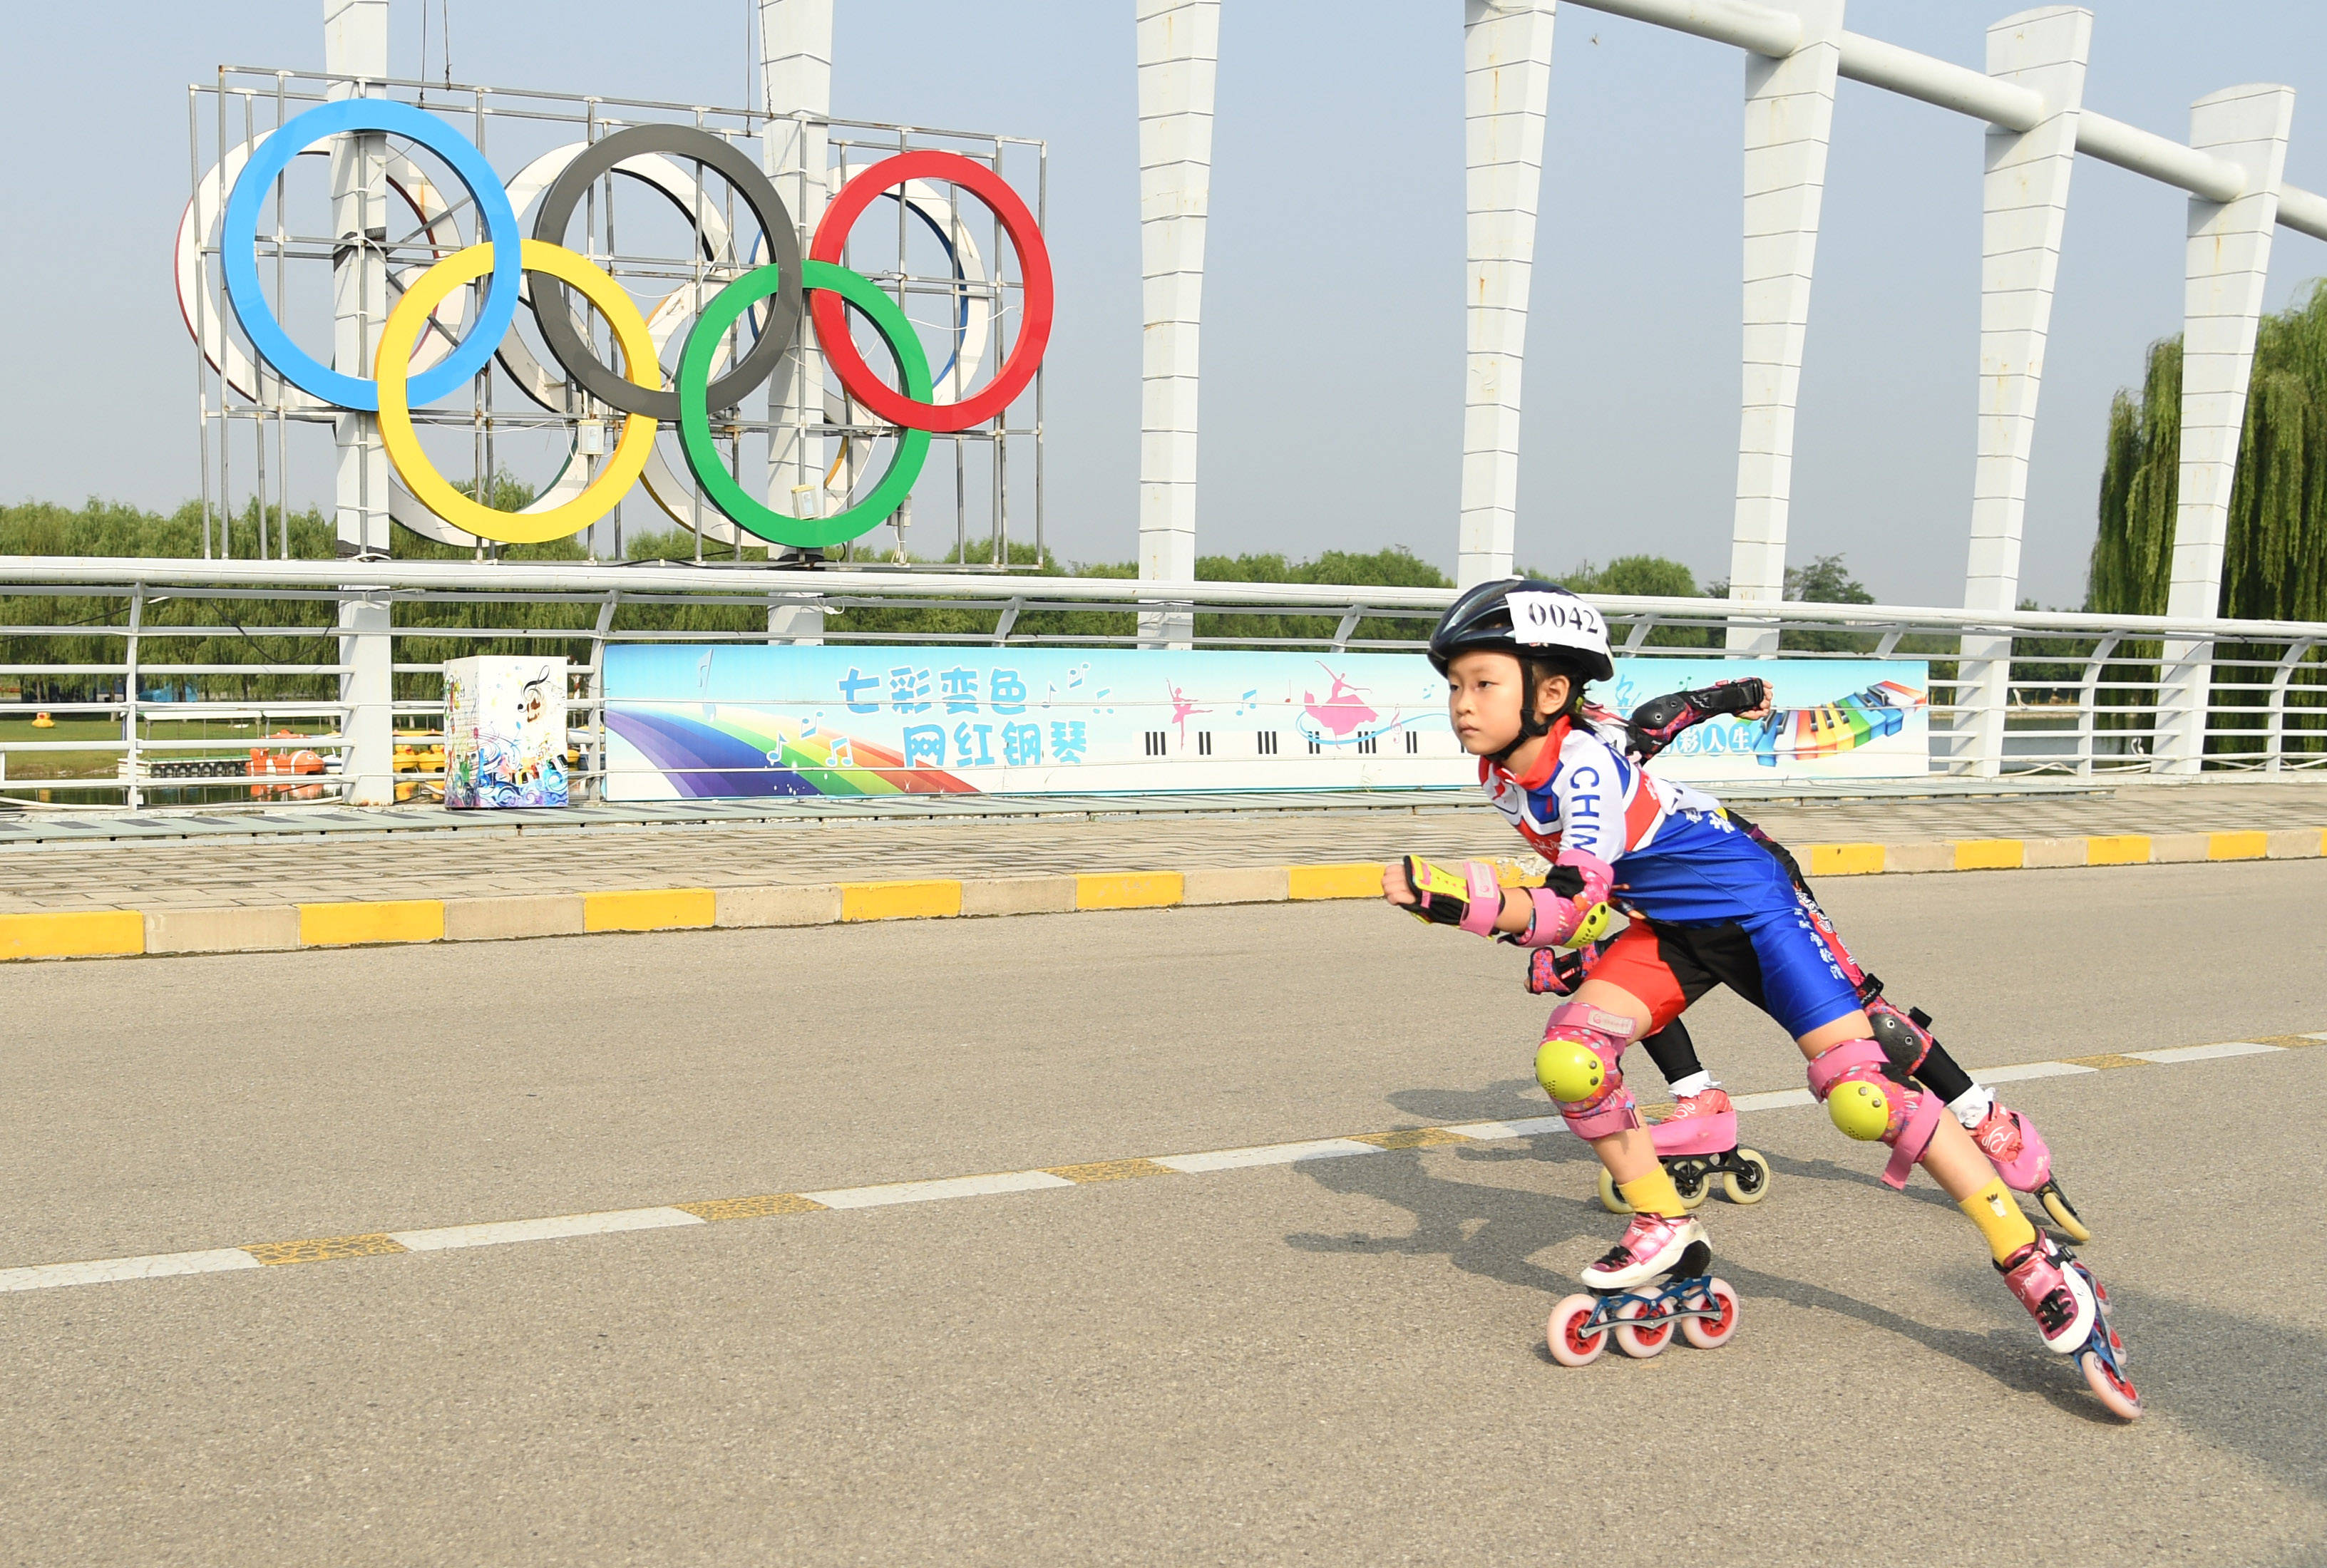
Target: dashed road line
<point x="770" y="1205"/>
<point x="508" y="1232"/>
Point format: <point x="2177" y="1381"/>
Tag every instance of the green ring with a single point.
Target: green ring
<point x="695" y="417"/>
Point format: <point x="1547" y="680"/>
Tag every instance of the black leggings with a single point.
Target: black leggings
<point x="1674" y="1054"/>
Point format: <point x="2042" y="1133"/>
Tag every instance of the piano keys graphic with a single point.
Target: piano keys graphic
<point x="1829" y="728"/>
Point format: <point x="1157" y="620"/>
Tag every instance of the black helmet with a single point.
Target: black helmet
<point x="1526" y="617"/>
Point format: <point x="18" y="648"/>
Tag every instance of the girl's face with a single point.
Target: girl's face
<point x="1484" y="701"/>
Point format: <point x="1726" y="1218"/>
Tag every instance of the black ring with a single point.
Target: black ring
<point x="555" y="317"/>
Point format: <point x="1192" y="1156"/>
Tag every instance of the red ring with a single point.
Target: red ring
<point x="831" y="314"/>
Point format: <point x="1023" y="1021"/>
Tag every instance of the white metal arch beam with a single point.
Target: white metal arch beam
<point x="1789" y="121"/>
<point x="1765" y="30"/>
<point x="2024" y="209"/>
<point x="2227" y="264"/>
<point x="1505" y="85"/>
<point x="1179" y="47"/>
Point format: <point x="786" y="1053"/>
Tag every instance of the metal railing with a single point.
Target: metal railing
<point x="2032" y="691"/>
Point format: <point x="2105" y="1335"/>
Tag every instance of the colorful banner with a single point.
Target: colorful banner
<point x="504" y="732"/>
<point x="690" y="723"/>
<point x="1853" y="718"/>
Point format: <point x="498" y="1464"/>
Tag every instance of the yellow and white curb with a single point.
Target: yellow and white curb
<point x="262" y="929"/>
<point x="950" y="1189"/>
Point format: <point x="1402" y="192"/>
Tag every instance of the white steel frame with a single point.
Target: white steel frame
<point x="2085" y="694"/>
<point x="2032" y="94"/>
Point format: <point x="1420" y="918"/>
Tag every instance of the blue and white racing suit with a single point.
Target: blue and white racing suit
<point x="1709" y="905"/>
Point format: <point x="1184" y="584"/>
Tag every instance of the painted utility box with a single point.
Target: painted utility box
<point x="504" y="732"/>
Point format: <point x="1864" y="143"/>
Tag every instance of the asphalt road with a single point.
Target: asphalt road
<point x="1333" y="1361"/>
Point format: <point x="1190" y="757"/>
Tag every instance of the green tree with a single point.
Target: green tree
<point x="1645" y="577"/>
<point x="2274" y="558"/>
<point x="1827" y="580"/>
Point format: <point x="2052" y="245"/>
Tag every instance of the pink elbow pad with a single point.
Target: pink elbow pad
<point x="1554" y="919"/>
<point x="1558" y="914"/>
<point x="1598" y="876"/>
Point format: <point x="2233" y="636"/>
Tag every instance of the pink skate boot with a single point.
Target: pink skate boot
<point x="1652" y="1245"/>
<point x="2019" y="1154"/>
<point x="2072" y="1313"/>
<point x="2054" y="1292"/>
<point x="1699" y="1143"/>
<point x="1640" y="1315"/>
<point x="1700" y="1123"/>
<point x="2012" y="1145"/>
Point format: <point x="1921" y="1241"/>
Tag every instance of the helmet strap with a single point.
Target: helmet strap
<point x="1531" y="722"/>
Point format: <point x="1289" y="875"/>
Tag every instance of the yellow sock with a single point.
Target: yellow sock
<point x="1654" y="1194"/>
<point x="1999" y="1219"/>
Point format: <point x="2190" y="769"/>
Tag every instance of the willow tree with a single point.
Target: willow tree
<point x="2274" y="565"/>
<point x="2274" y="559"/>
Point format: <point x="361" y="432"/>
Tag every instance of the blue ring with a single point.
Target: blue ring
<point x="238" y="247"/>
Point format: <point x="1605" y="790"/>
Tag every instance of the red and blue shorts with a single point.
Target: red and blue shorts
<point x="1780" y="964"/>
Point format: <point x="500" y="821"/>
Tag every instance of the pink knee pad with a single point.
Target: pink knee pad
<point x="1914" y="1114"/>
<point x="1905" y="1041"/>
<point x="1576" y="1065"/>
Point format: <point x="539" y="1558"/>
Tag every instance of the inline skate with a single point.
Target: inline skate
<point x="1642" y="1317"/>
<point x="1699" y="1146"/>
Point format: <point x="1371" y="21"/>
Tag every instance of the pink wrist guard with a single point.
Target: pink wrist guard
<point x="1486" y="898"/>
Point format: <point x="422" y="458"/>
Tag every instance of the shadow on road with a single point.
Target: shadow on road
<point x="2197" y="1366"/>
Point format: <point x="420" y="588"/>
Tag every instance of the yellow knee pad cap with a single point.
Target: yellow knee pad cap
<point x="1569" y="1070"/>
<point x="1861" y="1109"/>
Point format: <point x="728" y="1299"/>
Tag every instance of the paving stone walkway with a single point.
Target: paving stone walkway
<point x="186" y="873"/>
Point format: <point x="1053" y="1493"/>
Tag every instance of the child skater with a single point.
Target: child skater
<point x="1707" y="906"/>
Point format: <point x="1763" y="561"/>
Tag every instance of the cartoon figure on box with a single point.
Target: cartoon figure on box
<point x="505" y="732"/>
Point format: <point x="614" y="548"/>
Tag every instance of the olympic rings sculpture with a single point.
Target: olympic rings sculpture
<point x="429" y="346"/>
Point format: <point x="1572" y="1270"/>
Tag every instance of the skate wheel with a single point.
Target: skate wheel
<point x="1712" y="1333"/>
<point x="2111" y="1389"/>
<point x="1610" y="1199"/>
<point x="1564" y="1336"/>
<point x="1692" y="1191"/>
<point x="1750" y="1185"/>
<point x="1642" y="1329"/>
<point x="2056" y="1204"/>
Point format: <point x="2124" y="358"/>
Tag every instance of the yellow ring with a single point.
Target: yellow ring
<point x="432" y="489"/>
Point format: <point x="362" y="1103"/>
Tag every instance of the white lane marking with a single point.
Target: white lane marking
<point x="934" y="1191"/>
<point x="157" y="1265"/>
<point x="1490" y="1130"/>
<point x="1268" y="1154"/>
<point x="2204" y="1052"/>
<point x="2028" y="1069"/>
<point x="1774" y="1100"/>
<point x="106" y="1270"/>
<point x="502" y="1232"/>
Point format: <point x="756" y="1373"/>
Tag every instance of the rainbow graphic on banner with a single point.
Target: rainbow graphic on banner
<point x="1829" y="729"/>
<point x="727" y="750"/>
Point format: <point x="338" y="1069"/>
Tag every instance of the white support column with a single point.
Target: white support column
<point x="1505" y="83"/>
<point x="1179" y="55"/>
<point x="2024" y="204"/>
<point x="355" y="44"/>
<point x="1788" y="119"/>
<point x="796" y="78"/>
<point x="2226" y="267"/>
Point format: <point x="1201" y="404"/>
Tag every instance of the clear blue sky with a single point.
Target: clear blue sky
<point x="1333" y="331"/>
